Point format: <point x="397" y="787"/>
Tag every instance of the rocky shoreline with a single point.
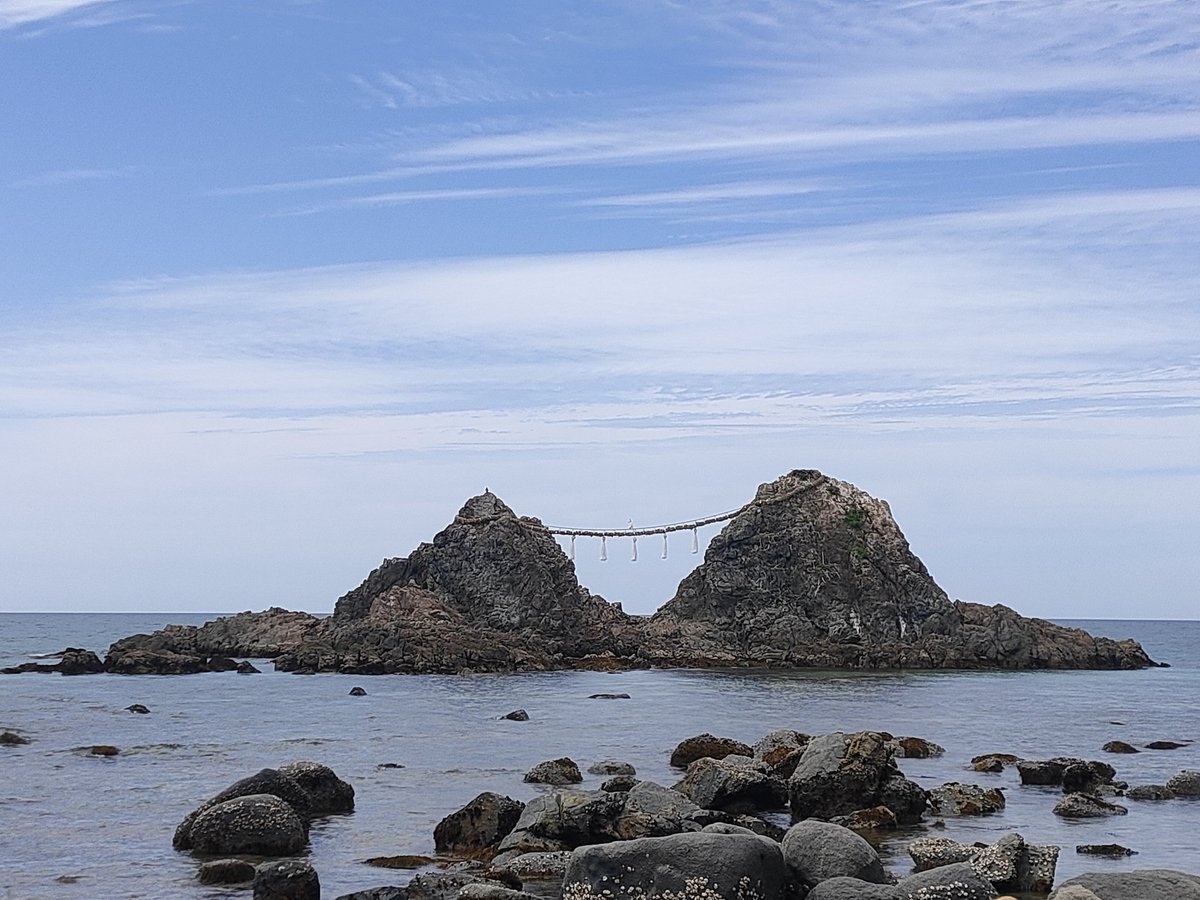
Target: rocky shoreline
<point x="812" y="573"/>
<point x="711" y="836"/>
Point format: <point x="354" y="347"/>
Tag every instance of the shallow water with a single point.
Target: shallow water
<point x="106" y="824"/>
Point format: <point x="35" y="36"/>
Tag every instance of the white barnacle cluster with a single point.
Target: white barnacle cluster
<point x="699" y="887"/>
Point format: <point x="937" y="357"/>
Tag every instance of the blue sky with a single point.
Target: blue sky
<point x="283" y="283"/>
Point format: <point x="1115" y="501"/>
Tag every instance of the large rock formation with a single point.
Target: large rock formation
<point x="815" y="572"/>
<point x="492" y="592"/>
<point x="812" y="572"/>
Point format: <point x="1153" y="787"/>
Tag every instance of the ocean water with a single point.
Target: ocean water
<point x="77" y="826"/>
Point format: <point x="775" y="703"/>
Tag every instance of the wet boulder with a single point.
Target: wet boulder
<point x="1119" y="747"/>
<point x="1150" y="792"/>
<point x="701" y="864"/>
<point x="814" y="851"/>
<point x="611" y="767"/>
<point x="619" y="783"/>
<point x="517" y="715"/>
<point x="327" y="794"/>
<point x="1012" y="865"/>
<point x="12" y="739"/>
<point x="225" y="871"/>
<point x="733" y="784"/>
<point x="955" y="799"/>
<point x="153" y="662"/>
<point x="555" y="771"/>
<point x="1086" y="806"/>
<point x="841" y="773"/>
<point x="874" y="819"/>
<point x="781" y="750"/>
<point x="1087" y="777"/>
<point x="914" y="748"/>
<point x="702" y="745"/>
<point x="1185" y="784"/>
<point x="1009" y="864"/>
<point x="257" y="824"/>
<point x="1045" y="771"/>
<point x="479" y="826"/>
<point x="266" y="781"/>
<point x="287" y="879"/>
<point x="75" y="661"/>
<point x="959" y="881"/>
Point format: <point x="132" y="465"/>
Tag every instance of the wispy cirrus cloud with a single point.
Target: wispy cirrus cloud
<point x="23" y="12"/>
<point x="71" y="176"/>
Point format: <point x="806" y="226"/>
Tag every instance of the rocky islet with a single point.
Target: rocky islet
<point x="812" y="572"/>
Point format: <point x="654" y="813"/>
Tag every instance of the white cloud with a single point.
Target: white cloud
<point x="22" y="12"/>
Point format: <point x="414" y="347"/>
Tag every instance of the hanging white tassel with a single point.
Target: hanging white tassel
<point x="695" y="542"/>
<point x="635" y="550"/>
<point x="664" y="556"/>
<point x="603" y="548"/>
<point x="572" y="548"/>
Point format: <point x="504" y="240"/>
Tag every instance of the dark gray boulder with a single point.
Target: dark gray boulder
<point x="327" y="794"/>
<point x="697" y="864"/>
<point x="479" y="826"/>
<point x="1119" y="747"/>
<point x="914" y="748"/>
<point x="841" y="773"/>
<point x="954" y="882"/>
<point x="932" y="852"/>
<point x="266" y="781"/>
<point x="733" y="784"/>
<point x="225" y="871"/>
<point x="619" y="783"/>
<point x="258" y="825"/>
<point x="844" y="887"/>
<point x="815" y="851"/>
<point x="75" y="661"/>
<point x="1185" y="784"/>
<point x="955" y="799"/>
<point x="706" y="745"/>
<point x="1086" y="806"/>
<point x="1150" y="792"/>
<point x="287" y="879"/>
<point x="780" y="751"/>
<point x="517" y="715"/>
<point x="1087" y="777"/>
<point x="12" y="739"/>
<point x="555" y="771"/>
<point x="1146" y="884"/>
<point x="611" y="767"/>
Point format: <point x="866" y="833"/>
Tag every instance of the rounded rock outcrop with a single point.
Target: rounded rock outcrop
<point x="479" y="826"/>
<point x="815" y="851"/>
<point x="691" y="749"/>
<point x="256" y="824"/>
<point x="555" y="771"/>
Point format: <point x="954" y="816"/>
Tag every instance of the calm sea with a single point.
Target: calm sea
<point x="77" y="826"/>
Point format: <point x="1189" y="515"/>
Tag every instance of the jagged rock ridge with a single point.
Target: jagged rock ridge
<point x="813" y="572"/>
